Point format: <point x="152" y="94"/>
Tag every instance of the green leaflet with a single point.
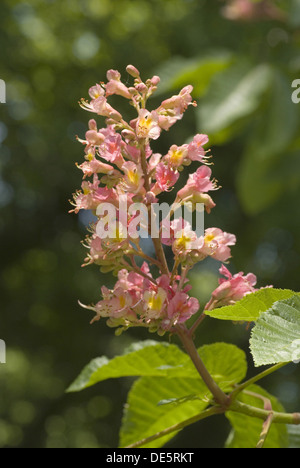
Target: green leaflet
<point x="144" y="416"/>
<point x="147" y="358"/>
<point x="251" y="306"/>
<point x="276" y="335"/>
<point x="153" y="359"/>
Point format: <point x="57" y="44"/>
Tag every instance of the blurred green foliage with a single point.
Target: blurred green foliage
<point x="51" y="53"/>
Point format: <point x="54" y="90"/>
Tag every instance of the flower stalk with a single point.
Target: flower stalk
<point x="219" y="396"/>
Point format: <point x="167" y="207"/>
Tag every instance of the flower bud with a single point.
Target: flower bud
<point x="132" y="71"/>
<point x="128" y="134"/>
<point x="93" y="124"/>
<point x="155" y="80"/>
<point x="115" y="115"/>
<point x="132" y="91"/>
<point x="150" y="198"/>
<point x="141" y="87"/>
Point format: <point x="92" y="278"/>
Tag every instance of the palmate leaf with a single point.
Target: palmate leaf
<point x="246" y="430"/>
<point x="145" y="415"/>
<point x="276" y="335"/>
<point x="251" y="306"/>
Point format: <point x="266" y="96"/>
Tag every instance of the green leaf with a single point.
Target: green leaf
<point x="251" y="306"/>
<point x="179" y="72"/>
<point x="145" y="358"/>
<point x="144" y="414"/>
<point x="259" y="177"/>
<point x="276" y="335"/>
<point x="144" y="417"/>
<point x="233" y="95"/>
<point x="225" y="362"/>
<point x="246" y="430"/>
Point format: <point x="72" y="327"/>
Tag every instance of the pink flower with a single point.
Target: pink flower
<point x="133" y="181"/>
<point x="133" y="282"/>
<point x="115" y="305"/>
<point x="179" y="103"/>
<point x="154" y="161"/>
<point x="147" y="125"/>
<point x="196" y="152"/>
<point x="166" y="178"/>
<point x="96" y="252"/>
<point x="115" y="86"/>
<point x="100" y="106"/>
<point x="96" y="91"/>
<point x="167" y="118"/>
<point x="205" y="199"/>
<point x="92" y="195"/>
<point x="216" y="244"/>
<point x="132" y="152"/>
<point x="199" y="182"/>
<point x="105" y="252"/>
<point x="172" y="109"/>
<point x="231" y="289"/>
<point x="124" y="300"/>
<point x="111" y="149"/>
<point x="183" y="155"/>
<point x="177" y="155"/>
<point x="93" y="136"/>
<point x="171" y="228"/>
<point x="180" y="235"/>
<point x="154" y="302"/>
<point x="96" y="167"/>
<point x="134" y="300"/>
<point x="181" y="308"/>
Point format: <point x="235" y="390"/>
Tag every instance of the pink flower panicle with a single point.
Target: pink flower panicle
<point x="119" y="162"/>
<point x="231" y="289"/>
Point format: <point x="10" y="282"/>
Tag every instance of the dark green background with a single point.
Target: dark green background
<point x="51" y="53"/>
